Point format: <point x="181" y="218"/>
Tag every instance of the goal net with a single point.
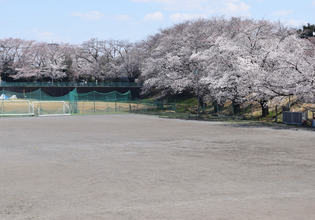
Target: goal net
<point x="51" y="108"/>
<point x="16" y="107"/>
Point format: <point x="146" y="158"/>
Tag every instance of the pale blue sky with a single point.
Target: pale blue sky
<point x="76" y="21"/>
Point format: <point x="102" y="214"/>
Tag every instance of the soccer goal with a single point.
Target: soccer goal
<point x="16" y="108"/>
<point x="51" y="108"/>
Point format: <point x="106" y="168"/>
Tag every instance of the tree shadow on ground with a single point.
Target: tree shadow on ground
<point x="276" y="126"/>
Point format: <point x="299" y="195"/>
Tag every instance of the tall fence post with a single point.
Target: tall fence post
<point x="276" y="114"/>
<point x="40" y="94"/>
<point x="70" y="104"/>
<point x="94" y="100"/>
<point x="40" y="99"/>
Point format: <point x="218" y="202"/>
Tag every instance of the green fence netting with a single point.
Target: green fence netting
<point x="78" y="102"/>
<point x="104" y="97"/>
<point x="95" y="102"/>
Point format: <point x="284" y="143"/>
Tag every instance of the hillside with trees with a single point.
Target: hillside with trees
<point x="236" y="60"/>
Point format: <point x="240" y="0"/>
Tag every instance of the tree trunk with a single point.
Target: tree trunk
<point x="217" y="107"/>
<point x="264" y="108"/>
<point x="236" y="108"/>
<point x="201" y="104"/>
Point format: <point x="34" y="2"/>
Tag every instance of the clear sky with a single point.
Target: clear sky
<point x="76" y="21"/>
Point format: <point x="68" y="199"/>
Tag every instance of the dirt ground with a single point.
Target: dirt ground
<point x="126" y="166"/>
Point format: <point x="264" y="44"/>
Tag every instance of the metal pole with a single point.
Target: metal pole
<point x="94" y="101"/>
<point x="198" y="101"/>
<point x="276" y="114"/>
<point x="198" y="98"/>
<point x="70" y="104"/>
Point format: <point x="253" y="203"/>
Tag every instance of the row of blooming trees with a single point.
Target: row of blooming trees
<point x="231" y="60"/>
<point x="237" y="60"/>
<point x="93" y="60"/>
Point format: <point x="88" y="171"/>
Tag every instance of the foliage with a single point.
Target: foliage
<point x="307" y="31"/>
<point x="219" y="60"/>
<point x="237" y="60"/>
<point x="93" y="60"/>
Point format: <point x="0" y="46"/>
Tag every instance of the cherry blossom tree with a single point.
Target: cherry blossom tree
<point x="41" y="60"/>
<point x="168" y="66"/>
<point x="12" y="51"/>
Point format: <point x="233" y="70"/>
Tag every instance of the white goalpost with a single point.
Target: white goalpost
<point x="31" y="108"/>
<point x="51" y="108"/>
<point x="16" y="107"/>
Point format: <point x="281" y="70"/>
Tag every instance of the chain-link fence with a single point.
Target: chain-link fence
<point x="96" y="102"/>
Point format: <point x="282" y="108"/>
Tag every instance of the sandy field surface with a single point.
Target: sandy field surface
<point x="126" y="166"/>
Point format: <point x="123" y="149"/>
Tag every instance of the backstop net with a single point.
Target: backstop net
<point x="96" y="102"/>
<point x="73" y="102"/>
